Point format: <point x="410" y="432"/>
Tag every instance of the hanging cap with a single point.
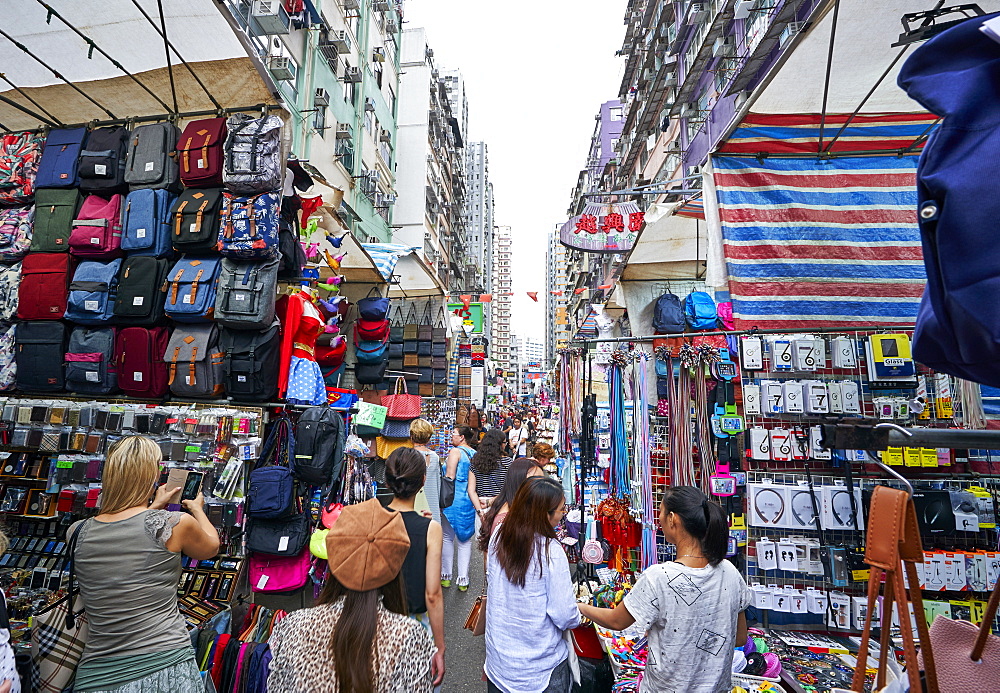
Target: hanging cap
<point x="366" y="546"/>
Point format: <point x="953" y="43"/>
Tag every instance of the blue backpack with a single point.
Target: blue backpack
<point x="92" y="292"/>
<point x="700" y="311"/>
<point x="668" y="318"/>
<point x="249" y="226"/>
<point x="146" y="228"/>
<point x="58" y="167"/>
<point x="191" y="285"/>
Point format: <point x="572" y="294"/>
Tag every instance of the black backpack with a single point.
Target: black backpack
<point x="668" y="315"/>
<point x="319" y="446"/>
<point x="41" y="350"/>
<point x="102" y="162"/>
<point x="250" y="364"/>
<point x="142" y="290"/>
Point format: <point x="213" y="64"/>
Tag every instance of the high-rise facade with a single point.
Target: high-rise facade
<point x="479" y="217"/>
<point x="500" y="334"/>
<point x="431" y="172"/>
<point x="557" y="332"/>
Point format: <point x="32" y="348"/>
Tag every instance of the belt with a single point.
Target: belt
<point x="304" y="347"/>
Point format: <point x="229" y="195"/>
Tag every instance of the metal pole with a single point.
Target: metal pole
<point x="650" y="338"/>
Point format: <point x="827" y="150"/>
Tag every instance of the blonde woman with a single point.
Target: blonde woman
<point x="128" y="564"/>
<point x="427" y="502"/>
<point x="9" y="680"/>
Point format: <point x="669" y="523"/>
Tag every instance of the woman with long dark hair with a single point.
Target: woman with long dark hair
<point x="458" y="521"/>
<point x="531" y="601"/>
<point x="520" y="469"/>
<point x="488" y="470"/>
<point x="358" y="639"/>
<point x="405" y="471"/>
<point x="691" y="607"/>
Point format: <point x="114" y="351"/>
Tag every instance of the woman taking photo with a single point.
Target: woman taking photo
<point x="458" y="522"/>
<point x="489" y="469"/>
<point x="128" y="563"/>
<point x="530" y="596"/>
<point x="428" y="498"/>
<point x="404" y="475"/>
<point x="692" y="607"/>
<point x="358" y="638"/>
<point x="520" y="469"/>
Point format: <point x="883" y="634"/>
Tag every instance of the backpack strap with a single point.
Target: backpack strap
<point x="173" y="365"/>
<point x="179" y="217"/>
<point x="200" y="215"/>
<point x="194" y="359"/>
<point x="251" y="218"/>
<point x="175" y="285"/>
<point x="227" y="213"/>
<point x="187" y="155"/>
<point x="204" y="149"/>
<point x="194" y="285"/>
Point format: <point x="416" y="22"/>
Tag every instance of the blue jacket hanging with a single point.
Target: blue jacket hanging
<point x="954" y="75"/>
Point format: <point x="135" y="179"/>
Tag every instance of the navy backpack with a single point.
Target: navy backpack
<point x="668" y="317"/>
<point x="146" y="227"/>
<point x="58" y="167"/>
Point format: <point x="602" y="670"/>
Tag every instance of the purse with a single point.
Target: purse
<point x="396" y="429"/>
<point x="425" y="329"/>
<point x="476" y="620"/>
<point x="372" y="330"/>
<point x="893" y="545"/>
<point x="370" y="352"/>
<point x="278" y="573"/>
<point x="439" y="333"/>
<point x="371" y="396"/>
<point x="402" y="406"/>
<point x="271" y="488"/>
<point x="446" y="493"/>
<point x="410" y="327"/>
<point x="285" y="536"/>
<point x="370" y="373"/>
<point x="59" y="633"/>
<point x="410" y="360"/>
<point x="374" y="308"/>
<point x="425" y="389"/>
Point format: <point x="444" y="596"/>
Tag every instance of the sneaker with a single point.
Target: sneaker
<point x="446" y="583"/>
<point x="463" y="588"/>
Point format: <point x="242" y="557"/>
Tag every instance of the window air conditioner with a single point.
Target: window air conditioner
<point x="743" y="8"/>
<point x="378" y="54"/>
<point x="351" y="4"/>
<point x="352" y="74"/>
<point x="697" y="12"/>
<point x="382" y="5"/>
<point x="391" y="27"/>
<point x="688" y="110"/>
<point x="345" y="131"/>
<point x="369" y="104"/>
<point x="270" y="17"/>
<point x="281" y="67"/>
<point x="321" y="97"/>
<point x="340" y="41"/>
<point x="791" y="31"/>
<point x="385" y="136"/>
<point x="722" y="46"/>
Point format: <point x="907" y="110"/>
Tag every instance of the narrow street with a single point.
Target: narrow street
<point x="465" y="655"/>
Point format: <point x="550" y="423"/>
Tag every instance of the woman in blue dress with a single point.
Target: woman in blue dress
<point x="458" y="522"/>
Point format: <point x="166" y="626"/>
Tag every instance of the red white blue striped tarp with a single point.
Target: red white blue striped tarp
<point x="820" y="242"/>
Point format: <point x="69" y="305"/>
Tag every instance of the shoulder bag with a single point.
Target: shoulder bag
<point x="59" y="634"/>
<point x="402" y="405"/>
<point x="271" y="492"/>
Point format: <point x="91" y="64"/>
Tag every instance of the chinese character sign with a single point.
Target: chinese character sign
<point x="604" y="228"/>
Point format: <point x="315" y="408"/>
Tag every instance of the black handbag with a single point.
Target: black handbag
<point x="410" y="346"/>
<point x="424" y="348"/>
<point x="395" y="348"/>
<point x="439" y="349"/>
<point x="439" y="333"/>
<point x="282" y="537"/>
<point x="446" y="495"/>
<point x="370" y="373"/>
<point x="396" y="329"/>
<point x="396" y="429"/>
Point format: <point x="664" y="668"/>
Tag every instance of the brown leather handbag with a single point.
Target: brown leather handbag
<point x="894" y="546"/>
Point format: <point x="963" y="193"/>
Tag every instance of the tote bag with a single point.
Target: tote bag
<point x="402" y="405"/>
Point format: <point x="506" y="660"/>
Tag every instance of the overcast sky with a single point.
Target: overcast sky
<point x="535" y="74"/>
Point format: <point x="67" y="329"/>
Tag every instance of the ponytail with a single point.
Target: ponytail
<point x="703" y="519"/>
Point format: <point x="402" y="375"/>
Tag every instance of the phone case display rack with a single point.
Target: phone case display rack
<point x="51" y="457"/>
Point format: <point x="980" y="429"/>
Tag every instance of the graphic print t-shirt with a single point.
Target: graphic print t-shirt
<point x="690" y="616"/>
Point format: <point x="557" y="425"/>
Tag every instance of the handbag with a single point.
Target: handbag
<point x="372" y="330"/>
<point x="401" y="405"/>
<point x="424" y="348"/>
<point x="371" y="396"/>
<point x="278" y="573"/>
<point x="439" y="349"/>
<point x="410" y="360"/>
<point x="285" y="536"/>
<point x="425" y="329"/>
<point x="370" y="373"/>
<point x="476" y="620"/>
<point x="396" y="429"/>
<point x="410" y="327"/>
<point x="374" y="308"/>
<point x="439" y="333"/>
<point x="370" y="352"/>
<point x="893" y="545"/>
<point x="59" y="633"/>
<point x="446" y="494"/>
<point x="271" y="489"/>
<point x="966" y="656"/>
<point x="425" y="389"/>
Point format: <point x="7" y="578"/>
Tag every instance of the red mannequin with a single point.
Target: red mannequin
<point x="301" y="323"/>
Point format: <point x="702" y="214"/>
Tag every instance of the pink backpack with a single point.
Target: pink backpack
<point x="724" y="311"/>
<point x="269" y="573"/>
<point x="97" y="229"/>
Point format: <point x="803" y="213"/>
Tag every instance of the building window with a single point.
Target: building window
<point x="616" y="113"/>
<point x="370" y="123"/>
<point x="351" y="93"/>
<point x="378" y="74"/>
<point x="319" y="120"/>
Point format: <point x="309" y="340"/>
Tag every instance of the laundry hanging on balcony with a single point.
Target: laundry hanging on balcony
<point x="604" y="228"/>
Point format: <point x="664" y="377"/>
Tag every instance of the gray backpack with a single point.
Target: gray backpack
<point x="150" y="161"/>
<point x="245" y="294"/>
<point x="195" y="361"/>
<point x="10" y="277"/>
<point x="90" y="361"/>
<point x="253" y="161"/>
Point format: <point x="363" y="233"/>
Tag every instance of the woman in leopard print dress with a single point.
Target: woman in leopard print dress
<point x="359" y="637"/>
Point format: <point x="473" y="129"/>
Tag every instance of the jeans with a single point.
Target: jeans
<point x="448" y="553"/>
<point x="560" y="680"/>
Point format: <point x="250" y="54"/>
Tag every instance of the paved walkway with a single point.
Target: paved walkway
<point x="465" y="654"/>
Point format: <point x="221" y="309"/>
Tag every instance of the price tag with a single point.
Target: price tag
<point x="64" y="464"/>
<point x="137" y="376"/>
<point x="263" y="581"/>
<point x="187" y="379"/>
<point x="193" y="227"/>
<point x="150" y="165"/>
<point x="138" y="300"/>
<point x="100" y="169"/>
<point x="140" y="233"/>
<point x="201" y="163"/>
<point x="91" y="305"/>
<point x="283" y="544"/>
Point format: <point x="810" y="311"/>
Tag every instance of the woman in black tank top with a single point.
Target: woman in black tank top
<point x="404" y="476"/>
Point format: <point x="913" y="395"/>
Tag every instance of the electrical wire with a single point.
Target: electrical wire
<point x="94" y="47"/>
<point x="23" y="93"/>
<point x="55" y="72"/>
<point x="194" y="75"/>
<point x="829" y="67"/>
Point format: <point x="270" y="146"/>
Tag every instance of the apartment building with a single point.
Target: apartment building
<point x="429" y="212"/>
<point x="557" y="332"/>
<point x="501" y="341"/>
<point x="479" y="217"/>
<point x="337" y="70"/>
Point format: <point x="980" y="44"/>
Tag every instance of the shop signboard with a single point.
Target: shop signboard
<point x="472" y="316"/>
<point x="604" y="228"/>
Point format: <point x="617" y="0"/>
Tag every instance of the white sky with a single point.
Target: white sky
<point x="535" y="74"/>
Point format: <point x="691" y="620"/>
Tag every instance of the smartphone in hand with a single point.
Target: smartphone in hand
<point x="192" y="486"/>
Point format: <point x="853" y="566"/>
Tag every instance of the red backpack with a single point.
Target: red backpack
<point x="97" y="229"/>
<point x="199" y="153"/>
<point x="139" y="354"/>
<point x="44" y="288"/>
